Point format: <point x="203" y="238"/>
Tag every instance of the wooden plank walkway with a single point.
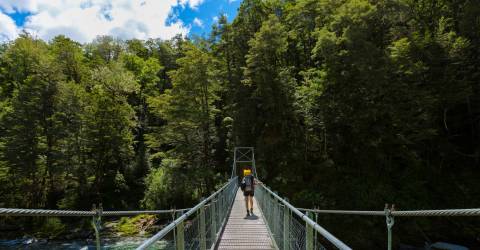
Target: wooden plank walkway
<point x="242" y="232"/>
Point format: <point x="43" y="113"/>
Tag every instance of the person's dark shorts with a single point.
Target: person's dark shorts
<point x="248" y="193"/>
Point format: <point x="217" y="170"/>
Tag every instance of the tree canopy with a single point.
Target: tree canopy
<point x="350" y="104"/>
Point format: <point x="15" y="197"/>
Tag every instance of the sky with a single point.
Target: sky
<point x="83" y="20"/>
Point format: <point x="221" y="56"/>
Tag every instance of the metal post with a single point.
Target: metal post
<point x="174" y="216"/>
<point x="203" y="237"/>
<point x="274" y="217"/>
<point x="390" y="222"/>
<point x="286" y="228"/>
<point x="253" y="164"/>
<point x="213" y="217"/>
<point x="221" y="210"/>
<point x="309" y="233"/>
<point x="97" y="223"/>
<point x="269" y="207"/>
<point x="315" y="233"/>
<point x="181" y="236"/>
<point x="234" y="167"/>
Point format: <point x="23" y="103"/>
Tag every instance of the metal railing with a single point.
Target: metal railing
<point x="95" y="213"/>
<point x="199" y="227"/>
<point x="290" y="228"/>
<point x="390" y="213"/>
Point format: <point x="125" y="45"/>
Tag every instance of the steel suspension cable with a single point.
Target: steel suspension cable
<point x="441" y="212"/>
<point x="51" y="212"/>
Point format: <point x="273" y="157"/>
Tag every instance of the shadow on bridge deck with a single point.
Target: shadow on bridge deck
<point x="242" y="232"/>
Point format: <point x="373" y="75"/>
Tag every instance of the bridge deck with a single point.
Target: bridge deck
<point x="242" y="232"/>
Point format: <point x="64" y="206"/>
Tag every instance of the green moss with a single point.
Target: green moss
<point x="135" y="225"/>
<point x="51" y="228"/>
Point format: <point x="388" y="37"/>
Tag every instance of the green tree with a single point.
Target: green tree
<point x="146" y="74"/>
<point x="29" y="136"/>
<point x="109" y="120"/>
<point x="69" y="57"/>
<point x="189" y="111"/>
<point x="73" y="100"/>
<point x="273" y="120"/>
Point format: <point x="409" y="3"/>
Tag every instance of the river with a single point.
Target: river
<point x="110" y="244"/>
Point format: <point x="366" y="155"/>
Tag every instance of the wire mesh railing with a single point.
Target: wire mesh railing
<point x="199" y="227"/>
<point x="290" y="228"/>
<point x="390" y="213"/>
<point x="97" y="213"/>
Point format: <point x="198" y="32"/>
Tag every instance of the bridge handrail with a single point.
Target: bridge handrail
<point x="332" y="239"/>
<point x="182" y="218"/>
<point x="439" y="212"/>
<point x="79" y="213"/>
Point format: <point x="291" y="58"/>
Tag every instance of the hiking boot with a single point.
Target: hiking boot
<point x="251" y="211"/>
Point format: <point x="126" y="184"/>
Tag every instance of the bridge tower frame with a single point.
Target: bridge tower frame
<point x="244" y="155"/>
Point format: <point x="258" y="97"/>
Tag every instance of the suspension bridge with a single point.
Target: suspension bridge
<point x="219" y="221"/>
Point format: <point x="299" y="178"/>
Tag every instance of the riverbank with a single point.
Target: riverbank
<point x="118" y="243"/>
<point x="118" y="234"/>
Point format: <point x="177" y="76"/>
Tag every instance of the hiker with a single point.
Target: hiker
<point x="248" y="188"/>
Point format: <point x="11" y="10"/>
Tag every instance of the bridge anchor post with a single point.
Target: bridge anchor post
<point x="213" y="217"/>
<point x="180" y="236"/>
<point x="286" y="228"/>
<point x="309" y="233"/>
<point x="203" y="238"/>
<point x="390" y="222"/>
<point x="97" y="223"/>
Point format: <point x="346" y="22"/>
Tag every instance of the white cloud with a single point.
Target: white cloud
<point x="8" y="29"/>
<point x="192" y="3"/>
<point x="83" y="20"/>
<point x="197" y="22"/>
<point x="11" y="6"/>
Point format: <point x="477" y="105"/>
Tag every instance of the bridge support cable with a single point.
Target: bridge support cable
<point x="398" y="213"/>
<point x="78" y="213"/>
<point x="290" y="228"/>
<point x="199" y="227"/>
<point x="95" y="213"/>
<point x="390" y="213"/>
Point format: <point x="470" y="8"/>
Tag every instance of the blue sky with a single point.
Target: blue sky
<point x="83" y="20"/>
<point x="206" y="12"/>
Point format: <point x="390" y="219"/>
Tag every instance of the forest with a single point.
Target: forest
<point x="350" y="104"/>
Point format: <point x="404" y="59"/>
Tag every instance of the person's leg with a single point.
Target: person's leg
<point x="251" y="203"/>
<point x="246" y="204"/>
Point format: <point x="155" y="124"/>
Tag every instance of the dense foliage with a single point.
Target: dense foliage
<point x="350" y="104"/>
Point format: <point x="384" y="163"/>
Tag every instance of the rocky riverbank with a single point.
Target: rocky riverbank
<point x="120" y="234"/>
<point x="30" y="243"/>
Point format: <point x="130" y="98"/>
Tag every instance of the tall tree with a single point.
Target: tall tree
<point x="29" y="137"/>
<point x="189" y="111"/>
<point x="109" y="123"/>
<point x="146" y="74"/>
<point x="69" y="57"/>
<point x="273" y="120"/>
